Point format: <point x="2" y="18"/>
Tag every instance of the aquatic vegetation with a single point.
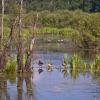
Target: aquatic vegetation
<point x="77" y="62"/>
<point x="10" y="71"/>
<point x="82" y="64"/>
<point x="65" y="61"/>
<point x="96" y="63"/>
<point x="74" y="73"/>
<point x="10" y="67"/>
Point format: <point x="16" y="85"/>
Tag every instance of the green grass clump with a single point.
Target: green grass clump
<point x="10" y="67"/>
<point x="77" y="62"/>
<point x="96" y="63"/>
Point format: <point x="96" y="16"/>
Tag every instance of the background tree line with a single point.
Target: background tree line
<point x="52" y="5"/>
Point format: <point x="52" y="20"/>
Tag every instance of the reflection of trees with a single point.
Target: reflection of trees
<point x="20" y="87"/>
<point x="21" y="78"/>
<point x="28" y="81"/>
<point x="29" y="87"/>
<point x="3" y="89"/>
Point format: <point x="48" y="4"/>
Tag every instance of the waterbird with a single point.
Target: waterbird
<point x="40" y="63"/>
<point x="40" y="70"/>
<point x="49" y="67"/>
<point x="60" y="41"/>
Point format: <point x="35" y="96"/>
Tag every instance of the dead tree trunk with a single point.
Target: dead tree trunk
<point x="30" y="49"/>
<point x="1" y="37"/>
<point x="29" y="53"/>
<point x="2" y="28"/>
<point x="19" y="45"/>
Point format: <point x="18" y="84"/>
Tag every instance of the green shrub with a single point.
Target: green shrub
<point x="10" y="67"/>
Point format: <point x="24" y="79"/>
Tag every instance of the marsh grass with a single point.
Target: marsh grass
<point x="96" y="63"/>
<point x="77" y="62"/>
<point x="65" y="60"/>
<point x="10" y="67"/>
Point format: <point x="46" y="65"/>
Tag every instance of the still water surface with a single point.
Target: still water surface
<point x="54" y="85"/>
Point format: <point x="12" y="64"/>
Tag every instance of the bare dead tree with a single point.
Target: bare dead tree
<point x="19" y="45"/>
<point x="1" y="35"/>
<point x="30" y="50"/>
<point x="2" y="23"/>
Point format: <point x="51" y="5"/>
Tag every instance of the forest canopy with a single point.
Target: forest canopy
<point x="52" y="5"/>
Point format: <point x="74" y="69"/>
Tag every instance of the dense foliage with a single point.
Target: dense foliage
<point x="54" y="17"/>
<point x="85" y="5"/>
<point x="61" y="21"/>
<point x="52" y="5"/>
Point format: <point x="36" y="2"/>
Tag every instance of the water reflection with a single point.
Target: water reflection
<point x="40" y="70"/>
<point x="65" y="48"/>
<point x="53" y="80"/>
<point x="20" y="87"/>
<point x="3" y="89"/>
<point x="26" y="91"/>
<point x="64" y="70"/>
<point x="6" y="88"/>
<point x="29" y="88"/>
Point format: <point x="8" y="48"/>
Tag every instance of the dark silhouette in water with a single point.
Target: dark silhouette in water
<point x="40" y="63"/>
<point x="40" y="70"/>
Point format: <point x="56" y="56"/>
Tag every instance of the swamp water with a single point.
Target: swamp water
<point x="58" y="84"/>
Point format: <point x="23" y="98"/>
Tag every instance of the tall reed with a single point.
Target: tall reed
<point x="96" y="63"/>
